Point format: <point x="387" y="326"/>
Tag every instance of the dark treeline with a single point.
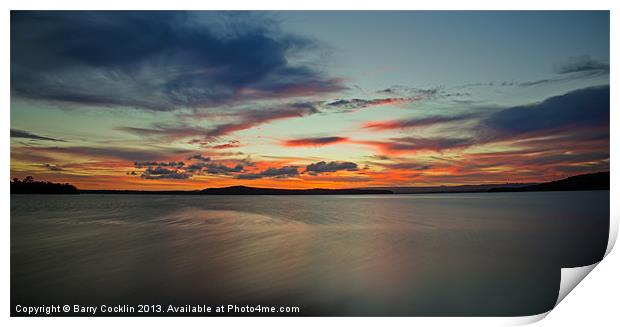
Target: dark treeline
<point x="29" y="186"/>
<point x="585" y="182"/>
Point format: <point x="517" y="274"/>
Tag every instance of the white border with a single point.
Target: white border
<point x="594" y="302"/>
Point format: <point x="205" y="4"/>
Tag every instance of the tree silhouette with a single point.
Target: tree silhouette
<point x="29" y="186"/>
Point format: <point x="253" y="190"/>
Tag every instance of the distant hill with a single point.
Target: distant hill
<point x="29" y="186"/>
<point x="586" y="182"/>
<point x="596" y="181"/>
<point x="450" y="189"/>
<point x="244" y="190"/>
<point x="164" y="192"/>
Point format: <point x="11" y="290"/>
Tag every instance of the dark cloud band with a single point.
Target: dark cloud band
<point x="157" y="60"/>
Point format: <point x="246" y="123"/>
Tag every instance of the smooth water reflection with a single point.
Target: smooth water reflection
<point x="443" y="254"/>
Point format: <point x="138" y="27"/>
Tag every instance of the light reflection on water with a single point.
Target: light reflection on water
<point x="444" y="254"/>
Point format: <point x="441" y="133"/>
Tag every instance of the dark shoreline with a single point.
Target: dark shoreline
<point x="585" y="182"/>
<point x="241" y="190"/>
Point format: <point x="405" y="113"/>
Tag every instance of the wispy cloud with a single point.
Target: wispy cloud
<point x="229" y="145"/>
<point x="16" y="133"/>
<point x="241" y="120"/>
<point x="356" y="104"/>
<point x="249" y="118"/>
<point x="168" y="132"/>
<point x="414" y="92"/>
<point x="416" y="122"/>
<point x="583" y="64"/>
<point x="315" y="141"/>
<point x="108" y="153"/>
<point x="417" y="144"/>
<point x="575" y="68"/>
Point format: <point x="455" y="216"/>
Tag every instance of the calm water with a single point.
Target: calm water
<point x="444" y="254"/>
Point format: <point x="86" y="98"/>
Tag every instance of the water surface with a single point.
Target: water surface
<point x="352" y="255"/>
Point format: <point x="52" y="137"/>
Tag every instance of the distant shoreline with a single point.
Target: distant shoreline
<point x="585" y="182"/>
<point x="242" y="190"/>
<point x="197" y="193"/>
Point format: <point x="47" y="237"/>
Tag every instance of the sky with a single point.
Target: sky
<point x="155" y="100"/>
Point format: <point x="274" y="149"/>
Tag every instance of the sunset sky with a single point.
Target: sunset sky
<point x="189" y="100"/>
